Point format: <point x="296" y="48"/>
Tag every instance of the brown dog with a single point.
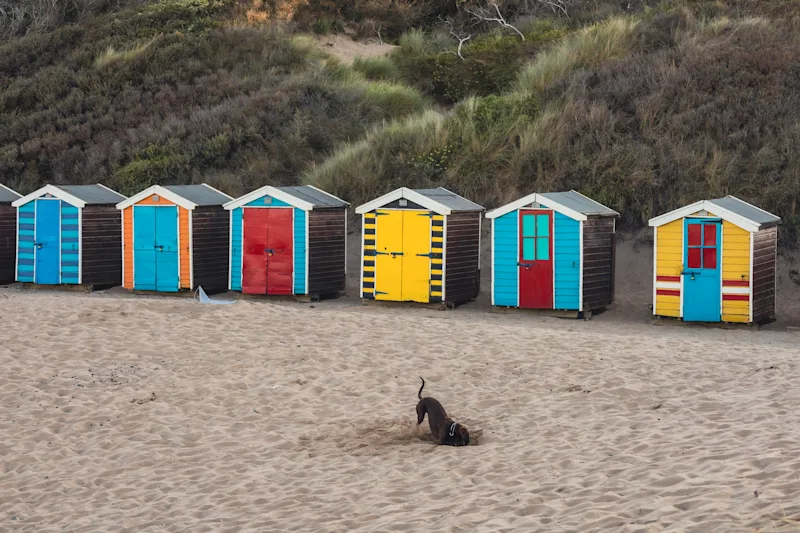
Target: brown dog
<point x="444" y="429"/>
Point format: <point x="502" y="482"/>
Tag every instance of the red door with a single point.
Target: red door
<point x="536" y="259"/>
<point x="267" y="255"/>
<point x="280" y="259"/>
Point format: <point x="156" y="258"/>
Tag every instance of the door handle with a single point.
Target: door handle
<point x="38" y="245"/>
<point x="526" y="265"/>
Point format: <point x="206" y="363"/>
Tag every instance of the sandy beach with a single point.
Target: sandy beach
<point x="138" y="414"/>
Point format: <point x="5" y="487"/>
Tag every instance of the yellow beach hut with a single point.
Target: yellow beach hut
<point x="714" y="261"/>
<point x="421" y="245"/>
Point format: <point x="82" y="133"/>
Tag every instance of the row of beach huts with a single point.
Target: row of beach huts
<point x="714" y="260"/>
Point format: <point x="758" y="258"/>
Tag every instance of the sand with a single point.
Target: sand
<point x="137" y="414"/>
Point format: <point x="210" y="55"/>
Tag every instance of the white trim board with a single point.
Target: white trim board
<point x="55" y="192"/>
<point x="525" y="201"/>
<point x="160" y="191"/>
<point x="409" y="194"/>
<point x="711" y="207"/>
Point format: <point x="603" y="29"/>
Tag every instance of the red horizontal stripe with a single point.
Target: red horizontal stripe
<point x="666" y="292"/>
<point x="668" y="278"/>
<point x="737" y="297"/>
<point x="735" y="283"/>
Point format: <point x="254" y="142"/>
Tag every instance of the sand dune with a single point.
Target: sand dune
<point x="161" y="415"/>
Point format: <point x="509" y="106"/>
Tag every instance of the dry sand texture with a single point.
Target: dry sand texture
<point x="141" y="414"/>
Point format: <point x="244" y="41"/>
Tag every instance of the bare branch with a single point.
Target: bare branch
<point x="458" y="33"/>
<point x="559" y="5"/>
<point x="483" y="14"/>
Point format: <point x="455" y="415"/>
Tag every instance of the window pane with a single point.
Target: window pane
<point x="528" y="253"/>
<point x="528" y="228"/>
<point x="694" y="234"/>
<point x="709" y="234"/>
<point x="694" y="258"/>
<point x="543" y="249"/>
<point x="542" y="225"/>
<point x="710" y="258"/>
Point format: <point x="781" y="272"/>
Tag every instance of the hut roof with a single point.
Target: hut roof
<point x="729" y="208"/>
<point x="186" y="196"/>
<point x="569" y="203"/>
<point x="305" y="197"/>
<point x="77" y="195"/>
<point x="439" y="200"/>
<point x="7" y="195"/>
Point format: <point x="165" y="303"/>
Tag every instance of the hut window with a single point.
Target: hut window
<point x="535" y="237"/>
<point x="403" y="202"/>
<point x="155" y="198"/>
<point x="268" y="200"/>
<point x="702" y="246"/>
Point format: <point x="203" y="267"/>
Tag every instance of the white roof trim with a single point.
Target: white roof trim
<point x="228" y="196"/>
<point x="55" y="191"/>
<point x="12" y="191"/>
<point x="161" y="191"/>
<point x="269" y="190"/>
<point x="705" y="205"/>
<point x="531" y="198"/>
<point x="408" y="194"/>
<point x="327" y="194"/>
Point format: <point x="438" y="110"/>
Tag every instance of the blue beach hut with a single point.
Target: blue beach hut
<point x="69" y="235"/>
<point x="553" y="251"/>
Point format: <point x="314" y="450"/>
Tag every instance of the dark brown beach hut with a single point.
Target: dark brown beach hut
<point x="8" y="234"/>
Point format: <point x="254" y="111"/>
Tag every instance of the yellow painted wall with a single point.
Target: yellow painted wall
<point x="669" y="262"/>
<point x="735" y="267"/>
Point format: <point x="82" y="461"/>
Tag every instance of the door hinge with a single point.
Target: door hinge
<point x="429" y="215"/>
<point x="381" y="253"/>
<point x="377" y="214"/>
<point x="424" y="255"/>
<point x="379" y="292"/>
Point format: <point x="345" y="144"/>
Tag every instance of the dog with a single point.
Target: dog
<point x="445" y="430"/>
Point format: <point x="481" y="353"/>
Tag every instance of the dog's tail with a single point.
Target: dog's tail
<point x="419" y="394"/>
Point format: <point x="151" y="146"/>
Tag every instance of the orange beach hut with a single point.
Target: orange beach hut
<point x="175" y="237"/>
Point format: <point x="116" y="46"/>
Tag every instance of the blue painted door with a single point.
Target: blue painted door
<point x="48" y="242"/>
<point x="701" y="274"/>
<point x="155" y="249"/>
<point x="167" y="276"/>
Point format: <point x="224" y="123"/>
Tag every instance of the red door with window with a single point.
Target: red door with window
<point x="535" y="259"/>
<point x="267" y="259"/>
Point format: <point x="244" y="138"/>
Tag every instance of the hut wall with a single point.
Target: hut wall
<point x="127" y="249"/>
<point x="26" y="254"/>
<point x="765" y="244"/>
<point x="598" y="262"/>
<point x="735" y="273"/>
<point x="101" y="246"/>
<point x="210" y="248"/>
<point x="70" y="244"/>
<point x="8" y="242"/>
<point x="669" y="264"/>
<point x="326" y="261"/>
<point x="368" y="251"/>
<point x="236" y="221"/>
<point x="300" y="248"/>
<point x="505" y="253"/>
<point x="462" y="256"/>
<point x="567" y="271"/>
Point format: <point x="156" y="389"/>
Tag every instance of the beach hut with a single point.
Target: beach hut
<point x="8" y="234"/>
<point x="553" y="251"/>
<point x="69" y="235"/>
<point x="421" y="245"/>
<point x="288" y="241"/>
<point x="176" y="237"/>
<point x="714" y="261"/>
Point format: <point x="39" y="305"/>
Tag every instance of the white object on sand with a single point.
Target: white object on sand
<point x="203" y="298"/>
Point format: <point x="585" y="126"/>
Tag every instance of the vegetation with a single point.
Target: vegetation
<point x="643" y="105"/>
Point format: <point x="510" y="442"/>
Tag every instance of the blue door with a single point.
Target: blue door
<point x="155" y="248"/>
<point x="167" y="277"/>
<point x="701" y="274"/>
<point x="48" y="242"/>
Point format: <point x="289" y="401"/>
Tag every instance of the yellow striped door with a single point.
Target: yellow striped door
<point x="388" y="254"/>
<point x="416" y="284"/>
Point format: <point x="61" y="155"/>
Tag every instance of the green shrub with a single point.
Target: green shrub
<point x="377" y="68"/>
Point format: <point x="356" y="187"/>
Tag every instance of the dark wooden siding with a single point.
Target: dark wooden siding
<point x="764" y="248"/>
<point x="462" y="278"/>
<point x="101" y="258"/>
<point x="598" y="263"/>
<point x="326" y="252"/>
<point x="210" y="248"/>
<point x="8" y="242"/>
